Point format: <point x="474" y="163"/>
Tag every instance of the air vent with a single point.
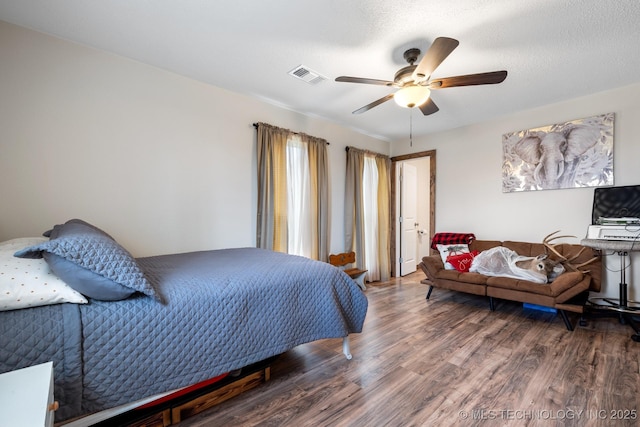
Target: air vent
<point x="308" y="75"/>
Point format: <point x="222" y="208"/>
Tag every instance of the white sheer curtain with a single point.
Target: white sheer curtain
<point x="300" y="228"/>
<point x="370" y="204"/>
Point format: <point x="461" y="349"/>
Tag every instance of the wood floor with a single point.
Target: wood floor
<point x="445" y="362"/>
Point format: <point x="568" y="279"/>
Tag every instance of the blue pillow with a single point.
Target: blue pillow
<point x="88" y="283"/>
<point x="53" y="233"/>
<point x="91" y="262"/>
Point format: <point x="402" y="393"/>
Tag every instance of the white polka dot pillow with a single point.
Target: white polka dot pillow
<point x="29" y="282"/>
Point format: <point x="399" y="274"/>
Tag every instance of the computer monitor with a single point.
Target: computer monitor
<point x="616" y="202"/>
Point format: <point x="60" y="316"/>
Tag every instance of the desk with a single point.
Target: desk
<point x="621" y="306"/>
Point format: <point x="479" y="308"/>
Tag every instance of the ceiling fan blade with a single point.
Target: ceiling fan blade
<point x="373" y="104"/>
<point x="438" y="51"/>
<point x="348" y="79"/>
<point x="429" y="107"/>
<point x="468" y="80"/>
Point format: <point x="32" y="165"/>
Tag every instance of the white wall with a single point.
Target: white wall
<point x="167" y="164"/>
<point x="469" y="194"/>
<point x="162" y="162"/>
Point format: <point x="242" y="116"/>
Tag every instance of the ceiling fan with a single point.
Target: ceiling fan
<point x="415" y="82"/>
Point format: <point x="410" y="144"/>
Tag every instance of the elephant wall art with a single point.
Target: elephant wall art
<point x="574" y="154"/>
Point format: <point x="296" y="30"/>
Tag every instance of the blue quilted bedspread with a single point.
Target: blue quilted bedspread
<point x="222" y="310"/>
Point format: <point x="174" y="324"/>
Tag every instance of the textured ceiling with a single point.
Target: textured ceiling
<point x="552" y="49"/>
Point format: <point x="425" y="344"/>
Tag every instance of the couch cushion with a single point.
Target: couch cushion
<point x="525" y="248"/>
<point x="475" y="278"/>
<point x="553" y="289"/>
<point x="520" y="285"/>
<point x="483" y="245"/>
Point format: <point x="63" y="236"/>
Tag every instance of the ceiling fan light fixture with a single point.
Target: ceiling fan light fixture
<point x="412" y="96"/>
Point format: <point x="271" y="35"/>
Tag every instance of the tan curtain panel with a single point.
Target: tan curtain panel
<point x="355" y="236"/>
<point x="272" y="188"/>
<point x="319" y="177"/>
<point x="384" y="216"/>
<point x="354" y="206"/>
<point x="272" y="214"/>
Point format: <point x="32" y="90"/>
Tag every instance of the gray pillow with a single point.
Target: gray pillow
<point x="88" y="283"/>
<point x="91" y="262"/>
<point x="53" y="233"/>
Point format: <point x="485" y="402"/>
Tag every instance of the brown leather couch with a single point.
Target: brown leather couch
<point x="567" y="292"/>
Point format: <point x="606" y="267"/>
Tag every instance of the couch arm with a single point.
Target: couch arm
<point x="565" y="281"/>
<point x="431" y="265"/>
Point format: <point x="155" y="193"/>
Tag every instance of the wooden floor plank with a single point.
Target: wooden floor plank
<point x="448" y="361"/>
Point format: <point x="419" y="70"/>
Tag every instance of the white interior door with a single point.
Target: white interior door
<point x="408" y="218"/>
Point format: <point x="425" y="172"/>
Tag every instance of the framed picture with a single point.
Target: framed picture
<point x="573" y="154"/>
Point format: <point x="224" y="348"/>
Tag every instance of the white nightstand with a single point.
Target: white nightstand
<point x="26" y="396"/>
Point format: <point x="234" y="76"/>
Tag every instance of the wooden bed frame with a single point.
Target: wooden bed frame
<point x="171" y="412"/>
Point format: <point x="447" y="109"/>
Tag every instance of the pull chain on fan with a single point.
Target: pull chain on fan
<point x="411" y="128"/>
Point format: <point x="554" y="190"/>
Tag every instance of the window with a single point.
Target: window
<point x="299" y="226"/>
<point x="367" y="219"/>
<point x="293" y="196"/>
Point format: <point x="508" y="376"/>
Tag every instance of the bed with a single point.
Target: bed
<point x="177" y="319"/>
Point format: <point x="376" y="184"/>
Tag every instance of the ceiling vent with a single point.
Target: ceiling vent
<point x="308" y="75"/>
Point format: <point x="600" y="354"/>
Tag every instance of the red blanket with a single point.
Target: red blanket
<point x="451" y="239"/>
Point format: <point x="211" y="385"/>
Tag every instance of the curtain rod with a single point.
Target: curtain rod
<point x="365" y="151"/>
<point x="255" y="125"/>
